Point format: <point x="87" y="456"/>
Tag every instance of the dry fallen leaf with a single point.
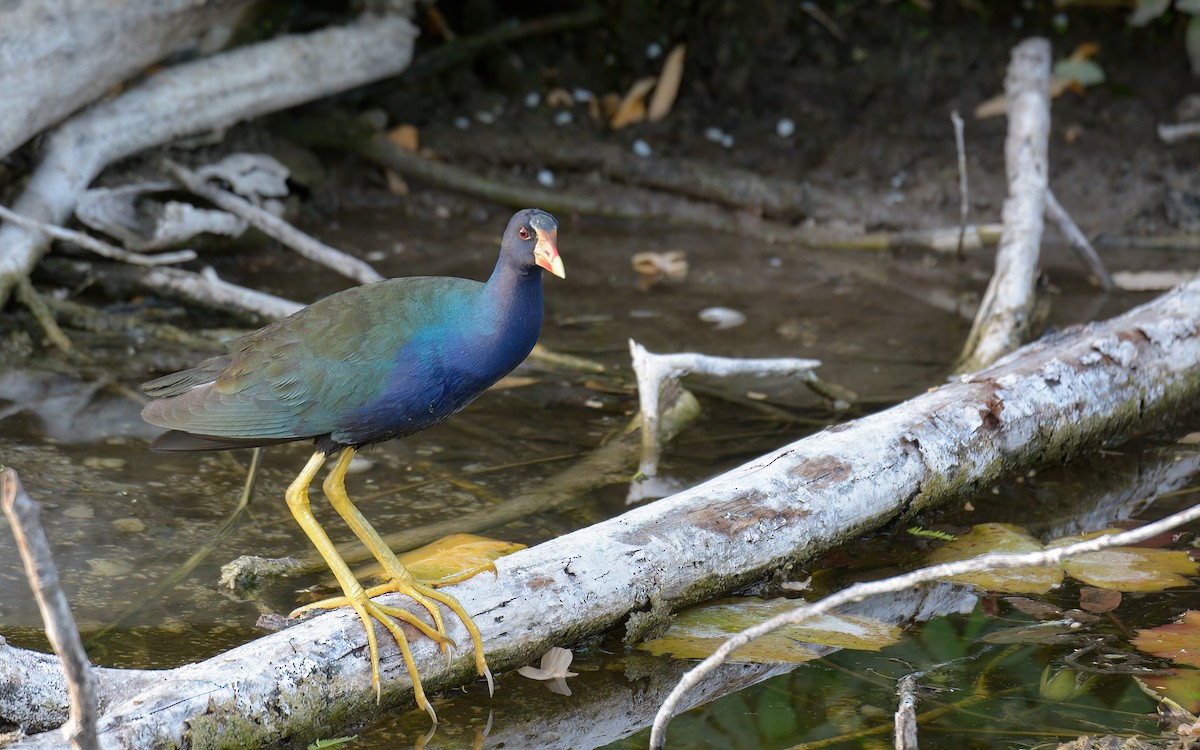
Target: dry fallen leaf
<point x="553" y="669"/>
<point x="668" y="85"/>
<point x="406" y="137"/>
<point x="653" y="268"/>
<point x="559" y="97"/>
<point x="633" y="106"/>
<point x="396" y="184"/>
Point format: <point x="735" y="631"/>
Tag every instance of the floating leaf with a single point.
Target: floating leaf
<point x="1131" y="569"/>
<point x="668" y="85"/>
<point x="999" y="538"/>
<point x="1178" y="641"/>
<point x="455" y="557"/>
<point x="1092" y="599"/>
<point x="699" y="631"/>
<point x="1055" y="631"/>
<point x="1181" y="686"/>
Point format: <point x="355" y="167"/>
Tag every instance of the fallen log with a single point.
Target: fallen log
<point x="57" y="57"/>
<point x="1052" y="399"/>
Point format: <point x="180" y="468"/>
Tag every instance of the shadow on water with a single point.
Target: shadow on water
<point x="121" y="518"/>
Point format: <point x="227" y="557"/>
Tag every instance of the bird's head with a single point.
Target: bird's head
<point x="533" y="233"/>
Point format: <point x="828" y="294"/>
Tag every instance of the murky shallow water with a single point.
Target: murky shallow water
<point x="121" y="518"/>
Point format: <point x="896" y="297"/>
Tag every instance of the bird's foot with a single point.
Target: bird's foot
<point x="426" y="594"/>
<point x="427" y="597"/>
<point x="390" y="618"/>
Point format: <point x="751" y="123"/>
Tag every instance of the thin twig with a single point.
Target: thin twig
<point x="861" y="591"/>
<point x="23" y="516"/>
<point x="1078" y="241"/>
<point x="273" y="226"/>
<point x="99" y="247"/>
<point x="964" y="195"/>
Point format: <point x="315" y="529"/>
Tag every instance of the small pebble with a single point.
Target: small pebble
<point x="775" y="262"/>
<point x="727" y="140"/>
<point x="722" y="317"/>
<point x="374" y="256"/>
<point x="785" y="128"/>
<point x="563" y="118"/>
<point x="641" y="148"/>
<point x="81" y="512"/>
<point x="545" y="178"/>
<point x="532" y="99"/>
<point x="359" y="464"/>
<point x="487" y="118"/>
<point x="654" y="50"/>
<point x="714" y="134"/>
<point x="582" y="95"/>
<point x="462" y="123"/>
<point x="594" y="403"/>
<point x="129" y="525"/>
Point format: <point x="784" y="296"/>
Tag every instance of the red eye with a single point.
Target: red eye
<point x="523" y="233"/>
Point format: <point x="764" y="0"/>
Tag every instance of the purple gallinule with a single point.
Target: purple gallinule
<point x="369" y="364"/>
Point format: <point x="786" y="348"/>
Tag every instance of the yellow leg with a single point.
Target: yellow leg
<point x="401" y="580"/>
<point x="354" y="594"/>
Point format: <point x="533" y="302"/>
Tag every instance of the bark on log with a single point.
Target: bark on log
<point x="59" y="55"/>
<point x="207" y="94"/>
<point x="1005" y="316"/>
<point x="1072" y="392"/>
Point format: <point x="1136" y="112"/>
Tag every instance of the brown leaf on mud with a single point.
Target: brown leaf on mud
<point x="406" y="137"/>
<point x="633" y="105"/>
<point x="668" y="85"/>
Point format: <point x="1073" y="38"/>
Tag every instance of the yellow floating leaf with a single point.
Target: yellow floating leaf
<point x="999" y="538"/>
<point x="668" y="85"/>
<point x="632" y="107"/>
<point x="1129" y="569"/>
<point x="698" y="631"/>
<point x="455" y="555"/>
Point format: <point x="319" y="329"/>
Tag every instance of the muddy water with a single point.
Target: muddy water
<point x="121" y="519"/>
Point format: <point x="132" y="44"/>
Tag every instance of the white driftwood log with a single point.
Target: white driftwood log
<point x="207" y="94"/>
<point x="59" y="55"/>
<point x="1047" y="401"/>
<point x="1005" y="315"/>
